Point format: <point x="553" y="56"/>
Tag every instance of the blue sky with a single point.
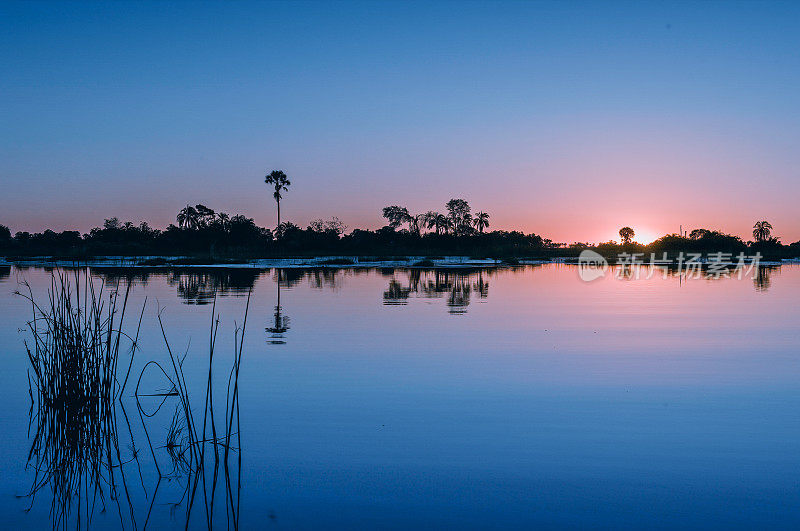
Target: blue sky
<point x="565" y="119"/>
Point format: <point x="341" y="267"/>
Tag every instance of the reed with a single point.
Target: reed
<point x="77" y="378"/>
<point x="200" y="443"/>
<point x="74" y="355"/>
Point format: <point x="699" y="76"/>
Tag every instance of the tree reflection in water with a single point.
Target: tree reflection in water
<point x="200" y="287"/>
<point x="762" y="277"/>
<point x="760" y="274"/>
<point x="193" y="285"/>
<point x="456" y="286"/>
<point x="280" y="323"/>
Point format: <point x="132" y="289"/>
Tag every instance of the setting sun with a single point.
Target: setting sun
<point x="644" y="235"/>
<point x="641" y="235"/>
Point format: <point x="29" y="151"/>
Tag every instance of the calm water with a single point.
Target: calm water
<point x="472" y="399"/>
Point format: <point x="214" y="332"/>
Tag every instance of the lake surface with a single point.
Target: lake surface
<point x="505" y="398"/>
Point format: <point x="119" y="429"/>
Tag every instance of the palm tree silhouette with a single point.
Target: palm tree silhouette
<point x="762" y="230"/>
<point x="188" y="218"/>
<point x="448" y="225"/>
<point x="281" y="182"/>
<point x="224" y="221"/>
<point x="481" y="221"/>
<point x="415" y="223"/>
<point x="436" y="221"/>
<point x="205" y="215"/>
<point x="627" y="234"/>
<point x="428" y="219"/>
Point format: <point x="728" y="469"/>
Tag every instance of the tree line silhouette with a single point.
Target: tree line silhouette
<point x="458" y="221"/>
<point x="203" y="233"/>
<point x="699" y="240"/>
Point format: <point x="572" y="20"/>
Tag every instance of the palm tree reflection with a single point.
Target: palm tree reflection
<point x="280" y="323"/>
<point x="201" y="286"/>
<point x="762" y="277"/>
<point x="455" y="286"/>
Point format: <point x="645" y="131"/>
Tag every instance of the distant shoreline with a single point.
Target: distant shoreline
<point x="328" y="261"/>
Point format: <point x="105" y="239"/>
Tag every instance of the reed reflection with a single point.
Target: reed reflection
<point x="84" y="450"/>
<point x="76" y="344"/>
<point x="197" y="453"/>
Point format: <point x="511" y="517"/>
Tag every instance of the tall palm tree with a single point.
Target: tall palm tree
<point x="481" y="221"/>
<point x="281" y="183"/>
<point x="762" y="230"/>
<point x="188" y="218"/>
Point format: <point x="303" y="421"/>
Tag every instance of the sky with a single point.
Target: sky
<point x="566" y="119"/>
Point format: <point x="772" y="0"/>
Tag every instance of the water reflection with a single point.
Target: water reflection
<point x="133" y="276"/>
<point x="396" y="293"/>
<point x="600" y="361"/>
<point x="325" y="278"/>
<point x="760" y="274"/>
<point x="280" y="323"/>
<point x="762" y="277"/>
<point x="291" y="277"/>
<point x="200" y="287"/>
<point x="455" y="286"/>
<point x="200" y="464"/>
<point x="192" y="285"/>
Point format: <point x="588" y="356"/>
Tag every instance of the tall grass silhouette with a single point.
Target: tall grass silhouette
<point x="80" y="363"/>
<point x="74" y="358"/>
<point x="199" y="445"/>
